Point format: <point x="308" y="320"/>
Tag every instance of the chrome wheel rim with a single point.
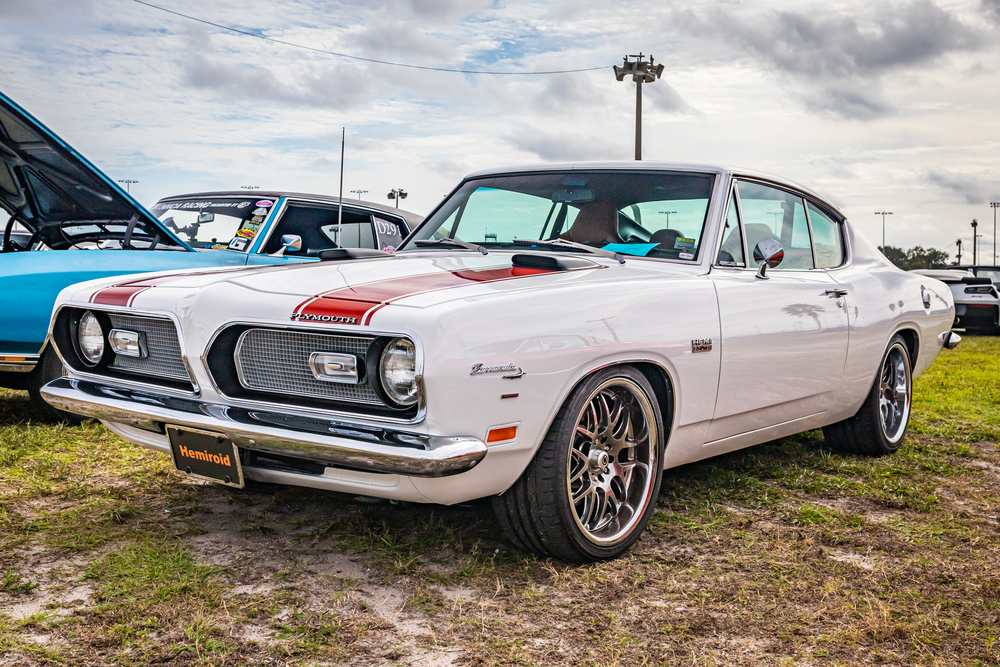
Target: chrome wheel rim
<point x="894" y="393"/>
<point x="613" y="461"/>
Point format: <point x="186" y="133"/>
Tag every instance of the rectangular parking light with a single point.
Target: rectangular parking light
<point x="128" y="343"/>
<point x="501" y="434"/>
<point x="333" y="367"/>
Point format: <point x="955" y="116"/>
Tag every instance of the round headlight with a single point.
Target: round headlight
<point x="90" y="338"/>
<point x="398" y="371"/>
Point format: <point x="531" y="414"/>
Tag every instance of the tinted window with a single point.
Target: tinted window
<point x="731" y="252"/>
<point x="770" y="213"/>
<point x="826" y="236"/>
<point x="316" y="227"/>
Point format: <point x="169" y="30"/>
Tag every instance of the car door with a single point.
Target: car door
<point x="784" y="338"/>
<point x="320" y="226"/>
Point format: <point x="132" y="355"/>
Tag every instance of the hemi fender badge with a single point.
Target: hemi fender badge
<point x="701" y="345"/>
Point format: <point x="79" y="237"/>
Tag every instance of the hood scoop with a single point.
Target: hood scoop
<point x="550" y="263"/>
<point x="338" y="254"/>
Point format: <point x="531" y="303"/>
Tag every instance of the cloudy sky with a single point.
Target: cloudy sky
<point x="877" y="105"/>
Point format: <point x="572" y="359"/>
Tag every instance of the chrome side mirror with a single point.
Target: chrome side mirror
<point x="949" y="340"/>
<point x="291" y="242"/>
<point x="768" y="253"/>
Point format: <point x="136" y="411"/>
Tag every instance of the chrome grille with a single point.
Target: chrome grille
<point x="277" y="362"/>
<point x="164" y="358"/>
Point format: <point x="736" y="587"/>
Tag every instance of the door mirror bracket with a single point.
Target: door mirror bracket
<point x="767" y="254"/>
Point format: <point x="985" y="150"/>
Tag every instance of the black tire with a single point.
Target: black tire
<point x="49" y="368"/>
<point x="879" y="427"/>
<point x="615" y="486"/>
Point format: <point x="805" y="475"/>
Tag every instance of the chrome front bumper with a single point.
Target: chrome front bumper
<point x="352" y="446"/>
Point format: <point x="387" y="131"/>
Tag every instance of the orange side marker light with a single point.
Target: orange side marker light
<point x="502" y="434"/>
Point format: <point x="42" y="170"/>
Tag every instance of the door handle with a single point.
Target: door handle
<point x="836" y="293"/>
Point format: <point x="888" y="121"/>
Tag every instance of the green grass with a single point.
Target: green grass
<point x="782" y="554"/>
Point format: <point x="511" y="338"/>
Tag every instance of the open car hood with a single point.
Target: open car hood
<point x="62" y="198"/>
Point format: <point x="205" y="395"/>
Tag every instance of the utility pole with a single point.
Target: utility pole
<point x="397" y="194"/>
<point x="127" y="182"/>
<point x="641" y="71"/>
<point x="883" y="214"/>
<point x="359" y="193"/>
<point x="975" y="242"/>
<point x="995" y="205"/>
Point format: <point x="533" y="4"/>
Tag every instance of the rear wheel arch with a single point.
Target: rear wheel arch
<point x="912" y="340"/>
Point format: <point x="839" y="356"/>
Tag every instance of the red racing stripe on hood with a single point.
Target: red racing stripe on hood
<point x="356" y="304"/>
<point x="123" y="294"/>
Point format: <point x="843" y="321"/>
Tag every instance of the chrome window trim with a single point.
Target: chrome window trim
<point x="373" y="420"/>
<point x="841" y="223"/>
<point x="288" y="201"/>
<point x="126" y="310"/>
<point x="733" y="195"/>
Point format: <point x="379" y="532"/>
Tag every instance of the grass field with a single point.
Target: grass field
<point x="782" y="554"/>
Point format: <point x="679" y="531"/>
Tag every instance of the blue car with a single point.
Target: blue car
<point x="64" y="222"/>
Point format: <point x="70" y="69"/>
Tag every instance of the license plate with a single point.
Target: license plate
<point x="206" y="455"/>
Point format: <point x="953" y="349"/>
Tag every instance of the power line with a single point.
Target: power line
<point x="367" y="60"/>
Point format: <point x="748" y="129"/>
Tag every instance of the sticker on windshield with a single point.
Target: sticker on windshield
<point x="684" y="244"/>
<point x="238" y="243"/>
<point x="687" y="255"/>
<point x="264" y="203"/>
<point x="637" y="249"/>
<point x="260" y="210"/>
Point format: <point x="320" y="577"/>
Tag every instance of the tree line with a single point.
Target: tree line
<point x="916" y="257"/>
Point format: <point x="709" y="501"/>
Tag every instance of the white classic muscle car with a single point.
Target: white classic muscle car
<point x="552" y="336"/>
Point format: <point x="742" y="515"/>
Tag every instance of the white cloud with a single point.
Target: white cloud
<point x="885" y="105"/>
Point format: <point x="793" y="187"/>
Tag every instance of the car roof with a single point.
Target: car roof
<point x="647" y="165"/>
<point x="411" y="218"/>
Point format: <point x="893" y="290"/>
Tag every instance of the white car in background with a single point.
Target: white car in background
<point x="551" y="336"/>
<point x="977" y="302"/>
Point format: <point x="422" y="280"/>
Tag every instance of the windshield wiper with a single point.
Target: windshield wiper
<point x="455" y="243"/>
<point x="563" y="243"/>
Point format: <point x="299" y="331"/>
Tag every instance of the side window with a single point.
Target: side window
<point x="731" y="252"/>
<point x="770" y="213"/>
<point x="827" y="239"/>
<point x="318" y="229"/>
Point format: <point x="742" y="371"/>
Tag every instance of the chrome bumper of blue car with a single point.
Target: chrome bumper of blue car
<point x="335" y="443"/>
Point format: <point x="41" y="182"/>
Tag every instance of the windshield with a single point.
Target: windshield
<point x="215" y="223"/>
<point x="644" y="213"/>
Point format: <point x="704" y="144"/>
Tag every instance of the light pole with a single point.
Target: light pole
<point x="127" y="182"/>
<point x="641" y="71"/>
<point x="995" y="205"/>
<point x="958" y="244"/>
<point x="883" y="214"/>
<point x="359" y="193"/>
<point x="397" y="194"/>
<point x="975" y="242"/>
<point x="668" y="214"/>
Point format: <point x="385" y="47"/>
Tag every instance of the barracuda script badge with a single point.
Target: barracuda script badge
<point x="510" y="370"/>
